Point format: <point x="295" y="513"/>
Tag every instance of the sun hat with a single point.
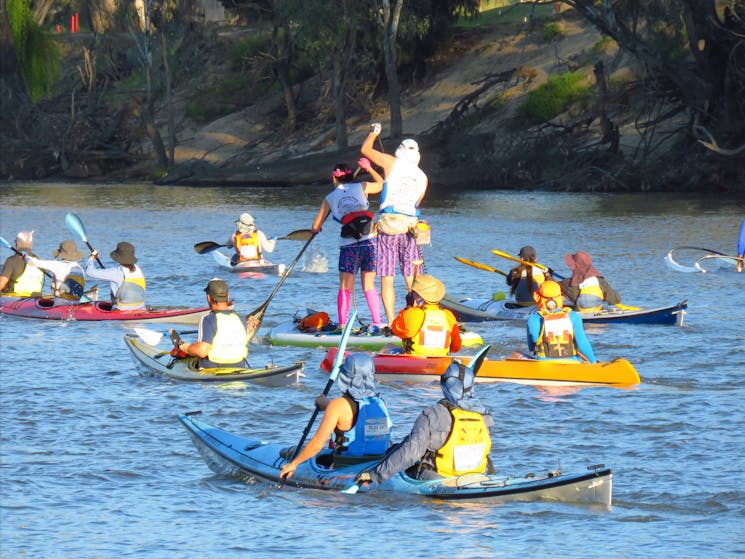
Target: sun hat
<point x="428" y="288"/>
<point x="67" y="250"/>
<point x="527" y="252"/>
<point x="245" y="222"/>
<point x="356" y="376"/>
<point x="549" y="291"/>
<point x="581" y="265"/>
<point x="25" y="240"/>
<point x="124" y="254"/>
<point x="217" y="289"/>
<point x="408" y="150"/>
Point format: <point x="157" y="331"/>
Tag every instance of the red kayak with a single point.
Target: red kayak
<point x="44" y="308"/>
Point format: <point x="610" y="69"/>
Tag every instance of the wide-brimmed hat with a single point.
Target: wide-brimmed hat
<point x="124" y="254"/>
<point x="217" y="289"/>
<point x="245" y="221"/>
<point x="67" y="250"/>
<point x="25" y="240"/>
<point x="581" y="265"/>
<point x="527" y="252"/>
<point x="428" y="288"/>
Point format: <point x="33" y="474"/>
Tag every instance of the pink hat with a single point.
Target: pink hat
<point x="581" y="265"/>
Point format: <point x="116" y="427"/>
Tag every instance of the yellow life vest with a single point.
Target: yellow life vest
<point x="556" y="339"/>
<point x="466" y="450"/>
<point x="230" y="344"/>
<point x="247" y="246"/>
<point x="131" y="293"/>
<point x="30" y="282"/>
<point x="433" y="337"/>
<point x="590" y="298"/>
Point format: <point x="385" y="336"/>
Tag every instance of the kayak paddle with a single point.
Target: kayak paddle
<point x="479" y="265"/>
<point x="253" y="320"/>
<point x="299" y="235"/>
<point x="474" y="365"/>
<point x="521" y="261"/>
<point x="332" y="377"/>
<point x="75" y="225"/>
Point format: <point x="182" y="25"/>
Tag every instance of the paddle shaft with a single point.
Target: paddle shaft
<point x="254" y="319"/>
<point x="515" y="259"/>
<point x="332" y="378"/>
<point x="480" y="266"/>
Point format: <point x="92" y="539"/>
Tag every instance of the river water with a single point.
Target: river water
<point x="95" y="464"/>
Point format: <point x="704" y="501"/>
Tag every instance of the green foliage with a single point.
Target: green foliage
<point x="551" y="98"/>
<point x="507" y="14"/>
<point x="37" y="52"/>
<point x="553" y="30"/>
<point x="243" y="53"/>
<point x="603" y="44"/>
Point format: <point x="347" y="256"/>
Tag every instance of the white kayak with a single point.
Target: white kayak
<point x="248" y="266"/>
<point x="287" y="334"/>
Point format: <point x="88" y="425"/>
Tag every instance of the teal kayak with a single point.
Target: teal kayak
<point x="233" y="455"/>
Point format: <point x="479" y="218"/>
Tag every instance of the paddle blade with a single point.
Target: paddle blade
<point x="478" y="359"/>
<point x="150" y="337"/>
<point x="299" y="235"/>
<point x="253" y="321"/>
<point x="479" y="265"/>
<point x="352" y="489"/>
<point x="76" y="226"/>
<point x="206" y="246"/>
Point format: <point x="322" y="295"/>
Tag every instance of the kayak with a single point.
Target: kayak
<point x="481" y="310"/>
<point x="287" y="334"/>
<point x="542" y="372"/>
<point x="236" y="456"/>
<point x="251" y="266"/>
<point x="45" y="308"/>
<point x="157" y="361"/>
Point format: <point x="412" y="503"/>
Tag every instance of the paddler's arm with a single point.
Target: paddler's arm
<point x="320" y="439"/>
<point x="321" y="217"/>
<point x="580" y="338"/>
<point x="380" y="158"/>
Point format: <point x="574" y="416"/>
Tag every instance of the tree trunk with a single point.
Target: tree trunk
<point x="610" y="131"/>
<point x="169" y="97"/>
<point x="339" y="77"/>
<point x="391" y="16"/>
<point x="281" y="66"/>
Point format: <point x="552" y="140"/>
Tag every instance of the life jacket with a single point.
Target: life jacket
<point x="73" y="286"/>
<point x="230" y="344"/>
<point x="525" y="288"/>
<point x="371" y="433"/>
<point x="590" y="296"/>
<point x="433" y="337"/>
<point x="556" y="339"/>
<point x="466" y="450"/>
<point x="131" y="293"/>
<point x="350" y="207"/>
<point x="30" y="282"/>
<point x="247" y="246"/>
<point x="313" y="322"/>
<point x="402" y="189"/>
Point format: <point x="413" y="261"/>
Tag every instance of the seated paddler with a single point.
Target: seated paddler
<point x="555" y="331"/>
<point x="424" y="326"/>
<point x="449" y="439"/>
<point x="357" y="423"/>
<point x="222" y="340"/>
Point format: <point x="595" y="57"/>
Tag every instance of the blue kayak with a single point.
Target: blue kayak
<point x="233" y="455"/>
<point x="483" y="310"/>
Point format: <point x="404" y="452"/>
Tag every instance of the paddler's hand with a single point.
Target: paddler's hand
<point x="287" y="470"/>
<point x="322" y="402"/>
<point x="184" y="347"/>
<point x="94" y="254"/>
<point x="363" y="479"/>
<point x="364" y="163"/>
<point x="375" y="128"/>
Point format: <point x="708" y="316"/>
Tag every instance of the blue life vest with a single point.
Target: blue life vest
<point x="371" y="433"/>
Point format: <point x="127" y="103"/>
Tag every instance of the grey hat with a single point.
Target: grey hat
<point x="245" y="222"/>
<point x="527" y="252"/>
<point x="124" y="254"/>
<point x="217" y="289"/>
<point x="68" y="250"/>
